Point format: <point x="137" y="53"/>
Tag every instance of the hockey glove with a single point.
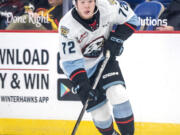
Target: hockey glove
<point x="83" y="87"/>
<point x="116" y="38"/>
<point x="85" y="92"/>
<point x="114" y="44"/>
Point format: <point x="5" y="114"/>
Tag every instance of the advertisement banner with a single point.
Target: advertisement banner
<point x="31" y="80"/>
<point x="33" y="86"/>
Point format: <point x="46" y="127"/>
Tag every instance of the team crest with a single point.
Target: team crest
<point x="64" y="31"/>
<point x="94" y="48"/>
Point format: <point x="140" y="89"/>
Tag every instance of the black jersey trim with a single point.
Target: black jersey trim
<point x="86" y="23"/>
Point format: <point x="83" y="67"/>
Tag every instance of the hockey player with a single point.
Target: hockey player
<point x="85" y="34"/>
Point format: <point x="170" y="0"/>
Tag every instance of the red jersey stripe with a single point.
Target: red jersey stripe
<point x="82" y="71"/>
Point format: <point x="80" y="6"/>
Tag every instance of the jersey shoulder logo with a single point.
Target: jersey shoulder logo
<point x="64" y="31"/>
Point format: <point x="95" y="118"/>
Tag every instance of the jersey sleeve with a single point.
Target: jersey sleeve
<point x="124" y="12"/>
<point x="71" y="57"/>
<point x="119" y="11"/>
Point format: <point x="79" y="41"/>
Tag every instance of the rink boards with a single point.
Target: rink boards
<point x="35" y="97"/>
<point x="64" y="127"/>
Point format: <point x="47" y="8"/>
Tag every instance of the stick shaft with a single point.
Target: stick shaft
<point x="93" y="87"/>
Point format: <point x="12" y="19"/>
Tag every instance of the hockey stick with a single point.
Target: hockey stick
<point x="93" y="87"/>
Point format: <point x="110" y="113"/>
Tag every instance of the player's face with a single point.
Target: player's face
<point x="86" y="8"/>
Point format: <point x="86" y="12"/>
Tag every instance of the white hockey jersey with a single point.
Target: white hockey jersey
<point x="81" y="47"/>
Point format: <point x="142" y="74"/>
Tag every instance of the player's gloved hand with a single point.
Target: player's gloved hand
<point x="114" y="44"/>
<point x="93" y="95"/>
<point x="82" y="86"/>
<point x="85" y="92"/>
